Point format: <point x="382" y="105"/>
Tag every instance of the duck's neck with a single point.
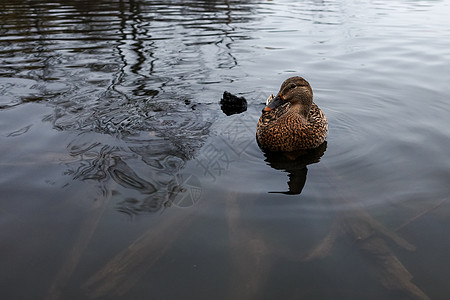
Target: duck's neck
<point x="301" y="110"/>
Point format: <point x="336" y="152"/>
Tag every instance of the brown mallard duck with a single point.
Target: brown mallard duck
<point x="291" y="121"/>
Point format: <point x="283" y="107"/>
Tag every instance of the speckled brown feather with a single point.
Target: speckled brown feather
<point x="282" y="129"/>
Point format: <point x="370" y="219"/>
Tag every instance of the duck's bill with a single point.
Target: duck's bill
<point x="277" y="101"/>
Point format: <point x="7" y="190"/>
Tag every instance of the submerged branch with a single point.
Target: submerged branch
<point x="421" y="214"/>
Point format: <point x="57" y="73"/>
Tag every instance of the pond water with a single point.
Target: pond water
<point x="121" y="177"/>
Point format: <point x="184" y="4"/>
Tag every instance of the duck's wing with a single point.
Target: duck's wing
<point x="316" y="116"/>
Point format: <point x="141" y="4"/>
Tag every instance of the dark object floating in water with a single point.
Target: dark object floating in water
<point x="231" y="104"/>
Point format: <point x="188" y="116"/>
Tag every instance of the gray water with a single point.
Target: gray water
<point x="121" y="177"/>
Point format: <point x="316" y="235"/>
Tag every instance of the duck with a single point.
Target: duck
<point x="291" y="121"/>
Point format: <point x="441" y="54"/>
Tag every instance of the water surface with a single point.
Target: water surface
<point x="121" y="177"/>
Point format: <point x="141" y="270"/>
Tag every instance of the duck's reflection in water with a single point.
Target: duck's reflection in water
<point x="295" y="164"/>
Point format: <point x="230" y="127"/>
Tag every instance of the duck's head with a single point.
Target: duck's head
<point x="298" y="92"/>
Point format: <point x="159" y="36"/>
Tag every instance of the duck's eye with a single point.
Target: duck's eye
<point x="292" y="85"/>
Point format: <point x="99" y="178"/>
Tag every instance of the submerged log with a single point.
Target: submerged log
<point x="121" y="273"/>
<point x="87" y="230"/>
<point x="248" y="251"/>
<point x="370" y="237"/>
<point x="388" y="269"/>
